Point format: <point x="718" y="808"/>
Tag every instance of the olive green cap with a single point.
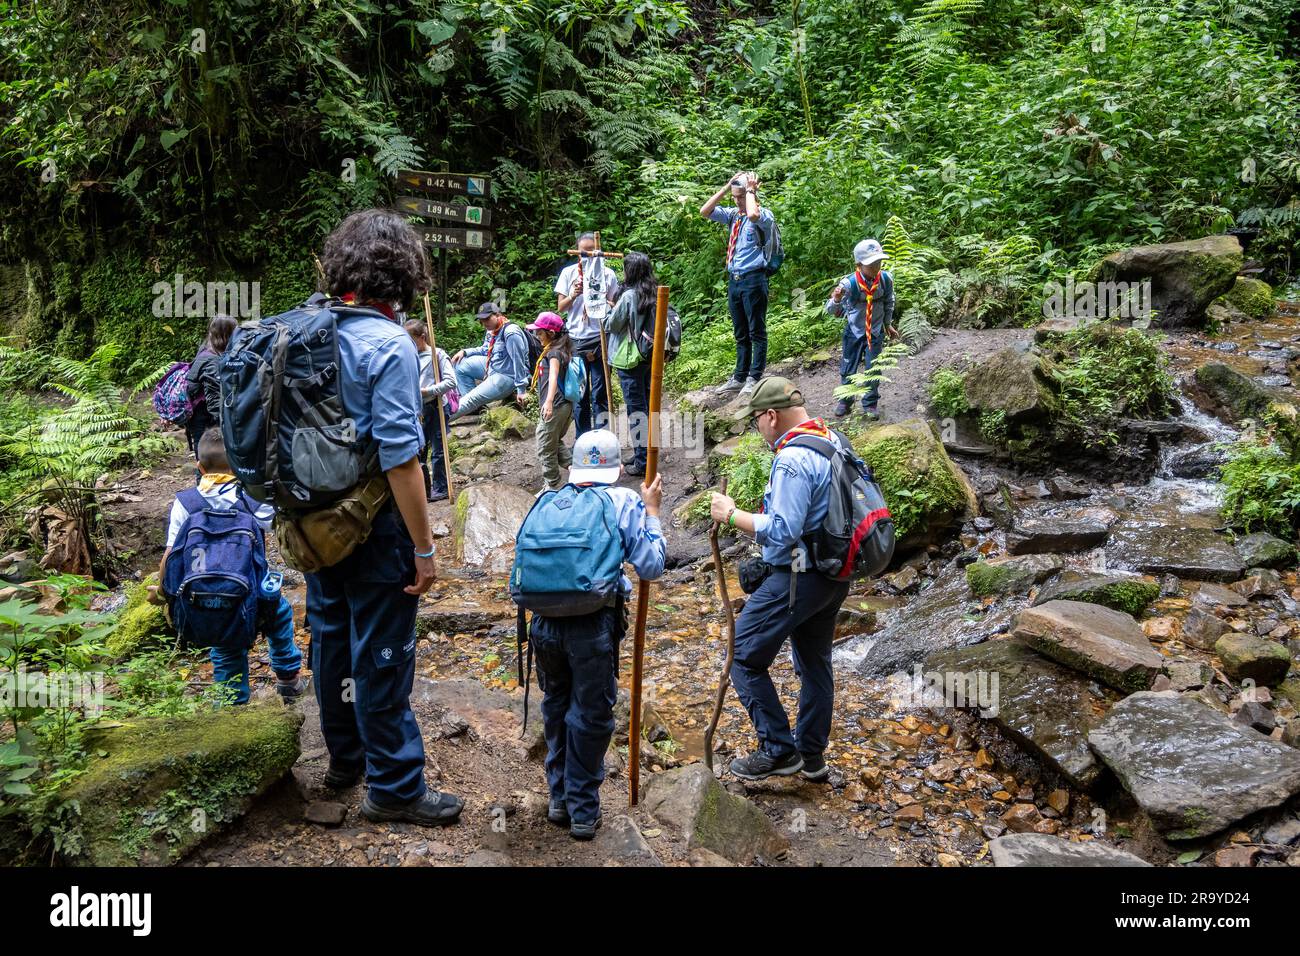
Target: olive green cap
<point x="771" y="392"/>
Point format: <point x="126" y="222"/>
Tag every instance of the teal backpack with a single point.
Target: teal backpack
<point x="575" y="380"/>
<point x="568" y="561"/>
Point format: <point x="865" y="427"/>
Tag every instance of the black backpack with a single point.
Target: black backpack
<point x="645" y="339"/>
<point x="534" y="344"/>
<point x="288" y="438"/>
<point x="856" y="540"/>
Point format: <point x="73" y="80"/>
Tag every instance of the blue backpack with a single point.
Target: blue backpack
<point x="568" y="562"/>
<point x="575" y="380"/>
<point x="213" y="575"/>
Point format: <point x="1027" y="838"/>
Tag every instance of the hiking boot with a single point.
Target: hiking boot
<point x="635" y="470"/>
<point x="434" y="809"/>
<point x="437" y="496"/>
<point x="291" y="689"/>
<point x="339" y="777"/>
<point x="841" y="408"/>
<point x="870" y="413"/>
<point x="760" y="765"/>
<point x="557" y="813"/>
<point x="584" y="831"/>
<point x="729" y="386"/>
<point x="749" y="386"/>
<point x="815" y="768"/>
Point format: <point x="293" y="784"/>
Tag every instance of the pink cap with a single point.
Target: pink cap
<point x="548" y="321"/>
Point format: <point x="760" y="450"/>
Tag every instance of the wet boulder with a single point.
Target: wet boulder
<point x="1046" y="708"/>
<point x="167" y="783"/>
<point x="1098" y="641"/>
<point x="1043" y="849"/>
<point x="926" y="492"/>
<point x="1036" y="535"/>
<point x="1127" y="593"/>
<point x="1220" y="390"/>
<point x="1254" y="298"/>
<point x="506" y="421"/>
<point x="1201" y="554"/>
<point x="691" y="802"/>
<point x="1014" y="383"/>
<point x="1185" y="276"/>
<point x="1015" y="574"/>
<point x="1193" y="771"/>
<point x="1262" y="550"/>
<point x="1246" y="657"/>
<point x="487" y="518"/>
<point x="1201" y="628"/>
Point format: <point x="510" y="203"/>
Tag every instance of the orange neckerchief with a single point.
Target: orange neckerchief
<point x="735" y="233"/>
<point x="814" y="426"/>
<point x="869" y="292"/>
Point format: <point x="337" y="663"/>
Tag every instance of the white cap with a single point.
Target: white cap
<point x="868" y="251"/>
<point x="597" y="457"/>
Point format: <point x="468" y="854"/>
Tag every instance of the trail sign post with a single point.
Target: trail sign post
<point x="450" y="237"/>
<point x="445" y="211"/>
<point x="445" y="184"/>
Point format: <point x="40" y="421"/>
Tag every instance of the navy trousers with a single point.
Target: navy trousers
<point x="593" y="410"/>
<point x="363" y="661"/>
<point x="747" y="303"/>
<point x="636" y="396"/>
<point x="857" y="353"/>
<point x="761" y="629"/>
<point x="577" y="668"/>
<point x="431" y="462"/>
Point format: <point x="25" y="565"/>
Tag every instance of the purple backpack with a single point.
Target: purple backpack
<point x="171" y="397"/>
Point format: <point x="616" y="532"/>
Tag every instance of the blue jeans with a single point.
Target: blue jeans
<point x="636" y="396"/>
<point x="577" y="669"/>
<point x="747" y="303"/>
<point x="431" y="460"/>
<point x="761" y="630"/>
<point x="363" y="659"/>
<point x="230" y="667"/>
<point x="593" y="410"/>
<point x="857" y="353"/>
<point x="478" y="388"/>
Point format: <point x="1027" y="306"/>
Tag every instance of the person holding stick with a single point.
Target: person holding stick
<point x="787" y="600"/>
<point x="577" y="656"/>
<point x="433" y="387"/>
<point x="750" y="227"/>
<point x="584" y="328"/>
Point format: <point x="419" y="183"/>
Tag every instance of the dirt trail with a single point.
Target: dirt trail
<point x="895" y="796"/>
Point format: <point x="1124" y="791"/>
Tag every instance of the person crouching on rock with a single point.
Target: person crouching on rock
<point x="865" y="298"/>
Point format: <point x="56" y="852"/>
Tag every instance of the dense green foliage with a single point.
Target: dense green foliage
<point x="1106" y="372"/>
<point x="1261" y="489"/>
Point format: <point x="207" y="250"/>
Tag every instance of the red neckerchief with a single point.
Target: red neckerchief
<point x="735" y="232"/>
<point x="870" y="294"/>
<point x="814" y="426"/>
<point x="350" y="298"/>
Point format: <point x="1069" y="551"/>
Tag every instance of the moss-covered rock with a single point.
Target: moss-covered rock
<point x="140" y="623"/>
<point x="1252" y="296"/>
<point x="926" y="492"/>
<point x="1222" y="391"/>
<point x="1011" y="575"/>
<point x="1130" y="595"/>
<point x="1185" y="276"/>
<point x="506" y="420"/>
<point x="168" y="783"/>
<point x="1247" y="657"/>
<point x="1012" y="383"/>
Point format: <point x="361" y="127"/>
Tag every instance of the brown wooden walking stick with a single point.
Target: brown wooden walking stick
<point x="442" y="415"/>
<point x="724" y="679"/>
<point x="643" y="587"/>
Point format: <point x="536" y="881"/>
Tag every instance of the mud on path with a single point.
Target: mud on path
<point x="906" y="788"/>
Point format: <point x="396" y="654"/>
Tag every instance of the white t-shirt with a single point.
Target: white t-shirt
<point x="580" y="327"/>
<point x="221" y="498"/>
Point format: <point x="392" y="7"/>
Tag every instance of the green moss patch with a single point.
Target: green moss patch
<point x="925" y="491"/>
<point x="141" y="623"/>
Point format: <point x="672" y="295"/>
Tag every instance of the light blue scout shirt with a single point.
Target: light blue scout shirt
<point x="643" y="539"/>
<point x="380" y="386"/>
<point x="795" y="502"/>
<point x="853" y="306"/>
<point x="748" y="254"/>
<point x="509" y="357"/>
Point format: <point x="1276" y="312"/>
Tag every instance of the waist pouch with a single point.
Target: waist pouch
<point x="312" y="540"/>
<point x="752" y="572"/>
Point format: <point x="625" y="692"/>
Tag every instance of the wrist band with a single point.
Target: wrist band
<point x="731" y="519"/>
<point x="427" y="554"/>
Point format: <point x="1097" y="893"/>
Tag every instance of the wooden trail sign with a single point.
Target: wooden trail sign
<point x="453" y="184"/>
<point x="446" y="211"/>
<point x="448" y="237"/>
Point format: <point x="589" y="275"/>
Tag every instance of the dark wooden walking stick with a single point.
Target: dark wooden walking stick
<point x="643" y="587"/>
<point x="442" y="415"/>
<point x="724" y="679"/>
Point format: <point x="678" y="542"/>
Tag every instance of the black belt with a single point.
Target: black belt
<point x="737" y="276"/>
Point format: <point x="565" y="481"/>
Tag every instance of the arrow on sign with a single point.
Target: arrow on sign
<point x="447" y="211"/>
<point x="452" y="238"/>
<point x="457" y="184"/>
